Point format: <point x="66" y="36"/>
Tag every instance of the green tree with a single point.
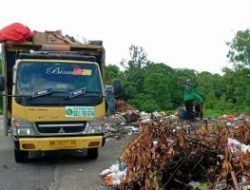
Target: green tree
<point x="134" y="72"/>
<point x="239" y="48"/>
<point x="238" y="79"/>
<point x="111" y="72"/>
<point x="138" y="57"/>
<point x="158" y="87"/>
<point x="145" y="102"/>
<point x="159" y="82"/>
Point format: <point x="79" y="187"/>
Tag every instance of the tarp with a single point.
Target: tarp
<point x="16" y="33"/>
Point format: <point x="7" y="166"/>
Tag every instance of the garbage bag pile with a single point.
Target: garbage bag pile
<point x="171" y="154"/>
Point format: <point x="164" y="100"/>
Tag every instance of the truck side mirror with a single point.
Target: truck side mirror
<point x="2" y="83"/>
<point x="117" y="87"/>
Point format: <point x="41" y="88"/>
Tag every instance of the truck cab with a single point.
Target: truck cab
<point x="53" y="100"/>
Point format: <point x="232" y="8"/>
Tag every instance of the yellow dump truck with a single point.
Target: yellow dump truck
<point x="53" y="95"/>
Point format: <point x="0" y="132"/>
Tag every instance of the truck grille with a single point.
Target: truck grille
<point x="60" y="128"/>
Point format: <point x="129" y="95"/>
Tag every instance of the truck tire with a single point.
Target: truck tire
<point x="117" y="87"/>
<point x="20" y="156"/>
<point x="92" y="153"/>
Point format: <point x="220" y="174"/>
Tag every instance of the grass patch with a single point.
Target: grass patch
<point x="216" y="113"/>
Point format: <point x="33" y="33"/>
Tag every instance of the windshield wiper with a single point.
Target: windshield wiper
<point x="40" y="93"/>
<point x="76" y="93"/>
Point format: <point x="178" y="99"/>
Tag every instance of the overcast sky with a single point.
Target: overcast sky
<point x="180" y="33"/>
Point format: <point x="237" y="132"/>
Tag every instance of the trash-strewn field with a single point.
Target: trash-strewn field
<point x="168" y="153"/>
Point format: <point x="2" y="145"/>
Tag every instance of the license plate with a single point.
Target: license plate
<point x="62" y="143"/>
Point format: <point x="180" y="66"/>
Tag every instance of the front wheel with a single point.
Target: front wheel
<point x="20" y="156"/>
<point x="92" y="153"/>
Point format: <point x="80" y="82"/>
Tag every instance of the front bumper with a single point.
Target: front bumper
<point x="59" y="143"/>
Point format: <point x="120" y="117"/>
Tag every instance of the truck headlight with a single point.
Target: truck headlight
<point x="93" y="127"/>
<point x="21" y="127"/>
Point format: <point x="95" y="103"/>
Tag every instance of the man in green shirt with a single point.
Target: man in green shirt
<point x="189" y="97"/>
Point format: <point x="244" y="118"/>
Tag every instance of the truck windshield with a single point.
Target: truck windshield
<point x="58" y="76"/>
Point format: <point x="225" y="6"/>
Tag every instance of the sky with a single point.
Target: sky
<point x="180" y="33"/>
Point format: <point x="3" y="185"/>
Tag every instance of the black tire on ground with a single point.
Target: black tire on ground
<point x="92" y="153"/>
<point x="20" y="156"/>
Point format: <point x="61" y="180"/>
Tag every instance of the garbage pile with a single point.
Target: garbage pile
<point x="121" y="124"/>
<point x="124" y="121"/>
<point x="115" y="174"/>
<point x="19" y="33"/>
<point x="55" y="37"/>
<point x="170" y="154"/>
<point x="128" y="121"/>
<point x="122" y="106"/>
